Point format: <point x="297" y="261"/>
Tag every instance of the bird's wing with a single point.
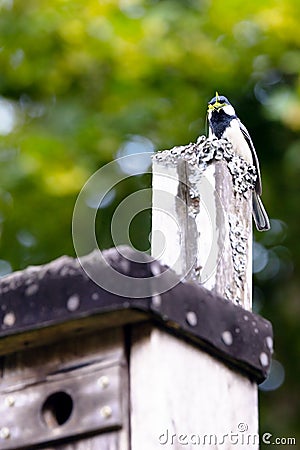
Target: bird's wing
<point x="258" y="187"/>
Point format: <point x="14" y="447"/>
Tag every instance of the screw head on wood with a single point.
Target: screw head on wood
<point x="104" y="381"/>
<point x="10" y="401"/>
<point x="9" y="319"/>
<point x="156" y="300"/>
<point x="269" y="342"/>
<point x="73" y="302"/>
<point x="4" y="433"/>
<point x="106" y="411"/>
<point x="264" y="359"/>
<point x="191" y="318"/>
<point x="227" y="338"/>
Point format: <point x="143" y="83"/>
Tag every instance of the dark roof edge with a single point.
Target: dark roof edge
<point x="59" y="297"/>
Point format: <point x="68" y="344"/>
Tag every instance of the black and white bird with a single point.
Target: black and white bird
<point x="224" y="123"/>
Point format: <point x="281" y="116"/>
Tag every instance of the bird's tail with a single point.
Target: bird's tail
<point x="260" y="216"/>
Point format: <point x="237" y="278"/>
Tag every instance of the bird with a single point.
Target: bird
<point x="225" y="124"/>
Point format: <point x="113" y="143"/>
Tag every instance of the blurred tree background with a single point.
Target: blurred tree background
<point x="85" y="81"/>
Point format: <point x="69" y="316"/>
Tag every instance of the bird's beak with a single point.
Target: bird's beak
<point x="217" y="105"/>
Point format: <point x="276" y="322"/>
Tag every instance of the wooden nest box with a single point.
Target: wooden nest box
<point x="174" y="365"/>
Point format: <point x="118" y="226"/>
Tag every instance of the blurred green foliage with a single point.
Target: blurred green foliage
<point x="79" y="79"/>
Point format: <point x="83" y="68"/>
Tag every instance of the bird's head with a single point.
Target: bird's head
<point x="220" y="103"/>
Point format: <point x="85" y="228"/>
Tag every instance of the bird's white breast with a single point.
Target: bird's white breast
<point x="234" y="134"/>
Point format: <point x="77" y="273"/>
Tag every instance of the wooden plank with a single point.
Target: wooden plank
<point x="59" y="331"/>
<point x="32" y="367"/>
<point x="107" y="441"/>
<point x="177" y="389"/>
<point x="202" y="227"/>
